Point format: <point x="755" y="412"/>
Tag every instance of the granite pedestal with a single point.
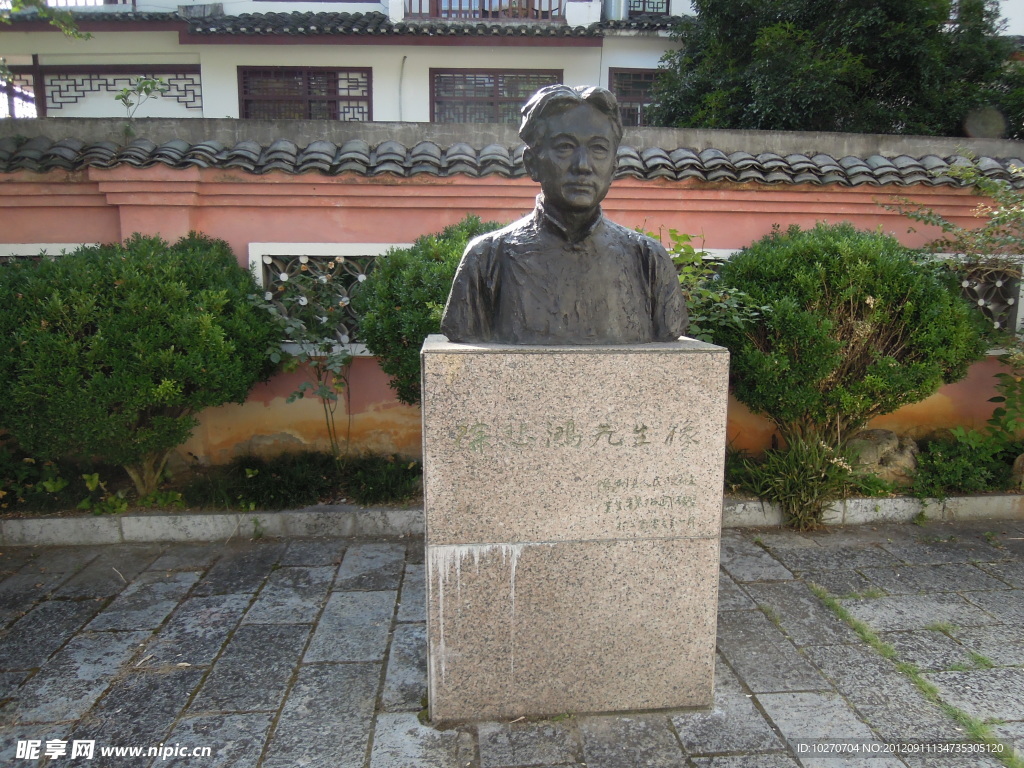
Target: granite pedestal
<point x="573" y="503"/>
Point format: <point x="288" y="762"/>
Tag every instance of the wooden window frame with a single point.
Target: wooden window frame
<point x="612" y="72"/>
<point x="556" y="75"/>
<point x="244" y="99"/>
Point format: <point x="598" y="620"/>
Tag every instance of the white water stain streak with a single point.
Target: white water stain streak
<point x="444" y="564"/>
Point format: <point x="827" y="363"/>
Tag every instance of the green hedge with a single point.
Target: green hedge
<point x="853" y="325"/>
<point x="108" y="352"/>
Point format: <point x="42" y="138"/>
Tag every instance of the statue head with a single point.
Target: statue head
<point x="572" y="134"/>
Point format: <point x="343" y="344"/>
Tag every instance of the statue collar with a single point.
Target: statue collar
<point x="550" y="218"/>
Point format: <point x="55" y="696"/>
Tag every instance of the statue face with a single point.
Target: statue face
<point x="576" y="160"/>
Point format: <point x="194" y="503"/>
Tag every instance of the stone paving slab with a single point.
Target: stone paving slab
<point x="238" y="684"/>
<point x="354" y="626"/>
<point x="1006" y="607"/>
<point x="109" y="573"/>
<point x="288" y="654"/>
<point x="763" y="656"/>
<point x="197" y="631"/>
<point x="881" y="695"/>
<point x="929" y="650"/>
<point x="153" y="699"/>
<point x="944" y="577"/>
<point x="1002" y="644"/>
<point x="733" y="724"/>
<point x="40" y="632"/>
<point x="731" y="596"/>
<point x="74" y="678"/>
<point x="1010" y="572"/>
<point x="800" y="614"/>
<point x="402" y="741"/>
<point x="944" y="546"/>
<point x="639" y="741"/>
<point x="146" y="602"/>
<point x="412" y="605"/>
<point x="291" y="595"/>
<point x="373" y="567"/>
<point x="241" y="569"/>
<point x="889" y="614"/>
<point x="990" y="694"/>
<point x="236" y="740"/>
<point x="405" y="684"/>
<point x="516" y="745"/>
<point x="745" y="560"/>
<point x="326" y="720"/>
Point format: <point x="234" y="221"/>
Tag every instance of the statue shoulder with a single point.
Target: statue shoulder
<point x="488" y="242"/>
<point x="644" y="243"/>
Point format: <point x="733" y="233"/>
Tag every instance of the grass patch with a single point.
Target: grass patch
<point x="868" y="594"/>
<point x="773" y="616"/>
<point x="977" y="730"/>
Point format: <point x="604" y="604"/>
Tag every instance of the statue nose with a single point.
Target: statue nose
<point x="581" y="160"/>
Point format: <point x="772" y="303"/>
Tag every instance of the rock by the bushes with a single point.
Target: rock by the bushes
<point x="883" y="453"/>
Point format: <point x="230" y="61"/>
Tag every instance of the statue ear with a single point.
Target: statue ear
<point x="530" y="161"/>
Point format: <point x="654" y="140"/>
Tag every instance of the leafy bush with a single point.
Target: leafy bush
<point x="708" y="303"/>
<point x="400" y="303"/>
<point x="854" y="325"/>
<point x="110" y="351"/>
<point x="966" y="462"/>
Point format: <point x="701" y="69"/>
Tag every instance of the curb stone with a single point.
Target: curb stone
<point x="347" y="521"/>
<point x="340" y="520"/>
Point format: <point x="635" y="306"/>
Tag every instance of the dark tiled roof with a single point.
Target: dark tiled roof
<point x="374" y="23"/>
<point x="357" y="156"/>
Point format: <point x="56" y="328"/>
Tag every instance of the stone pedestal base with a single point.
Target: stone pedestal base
<point x="573" y="513"/>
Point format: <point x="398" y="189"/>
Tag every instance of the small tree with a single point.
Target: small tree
<point x="110" y="351"/>
<point x="401" y="302"/>
<point x="854" y="326"/>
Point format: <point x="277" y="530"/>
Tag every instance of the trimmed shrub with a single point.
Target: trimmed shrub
<point x="854" y="325"/>
<point x="109" y="352"/>
<point x="400" y="303"/>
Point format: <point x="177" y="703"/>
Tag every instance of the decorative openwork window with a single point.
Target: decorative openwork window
<point x="343" y="266"/>
<point x="305" y="93"/>
<point x="484" y="95"/>
<point x="995" y="292"/>
<point x="632" y="87"/>
<point x="88" y="91"/>
<point x="648" y="8"/>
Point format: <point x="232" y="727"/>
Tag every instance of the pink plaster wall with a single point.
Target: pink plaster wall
<point x="105" y="205"/>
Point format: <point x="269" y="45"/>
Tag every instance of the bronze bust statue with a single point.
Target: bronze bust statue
<point x="565" y="274"/>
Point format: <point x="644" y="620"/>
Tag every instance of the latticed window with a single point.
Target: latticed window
<point x="483" y="95"/>
<point x="632" y="87"/>
<point x="648" y="8"/>
<point x="296" y="93"/>
<point x="995" y="292"/>
<point x="339" y="276"/>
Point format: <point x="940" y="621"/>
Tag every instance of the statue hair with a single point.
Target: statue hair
<point x="553" y="99"/>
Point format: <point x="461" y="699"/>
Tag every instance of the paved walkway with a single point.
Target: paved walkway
<point x="290" y="653"/>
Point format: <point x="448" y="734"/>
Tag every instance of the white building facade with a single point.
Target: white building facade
<point x="398" y="60"/>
